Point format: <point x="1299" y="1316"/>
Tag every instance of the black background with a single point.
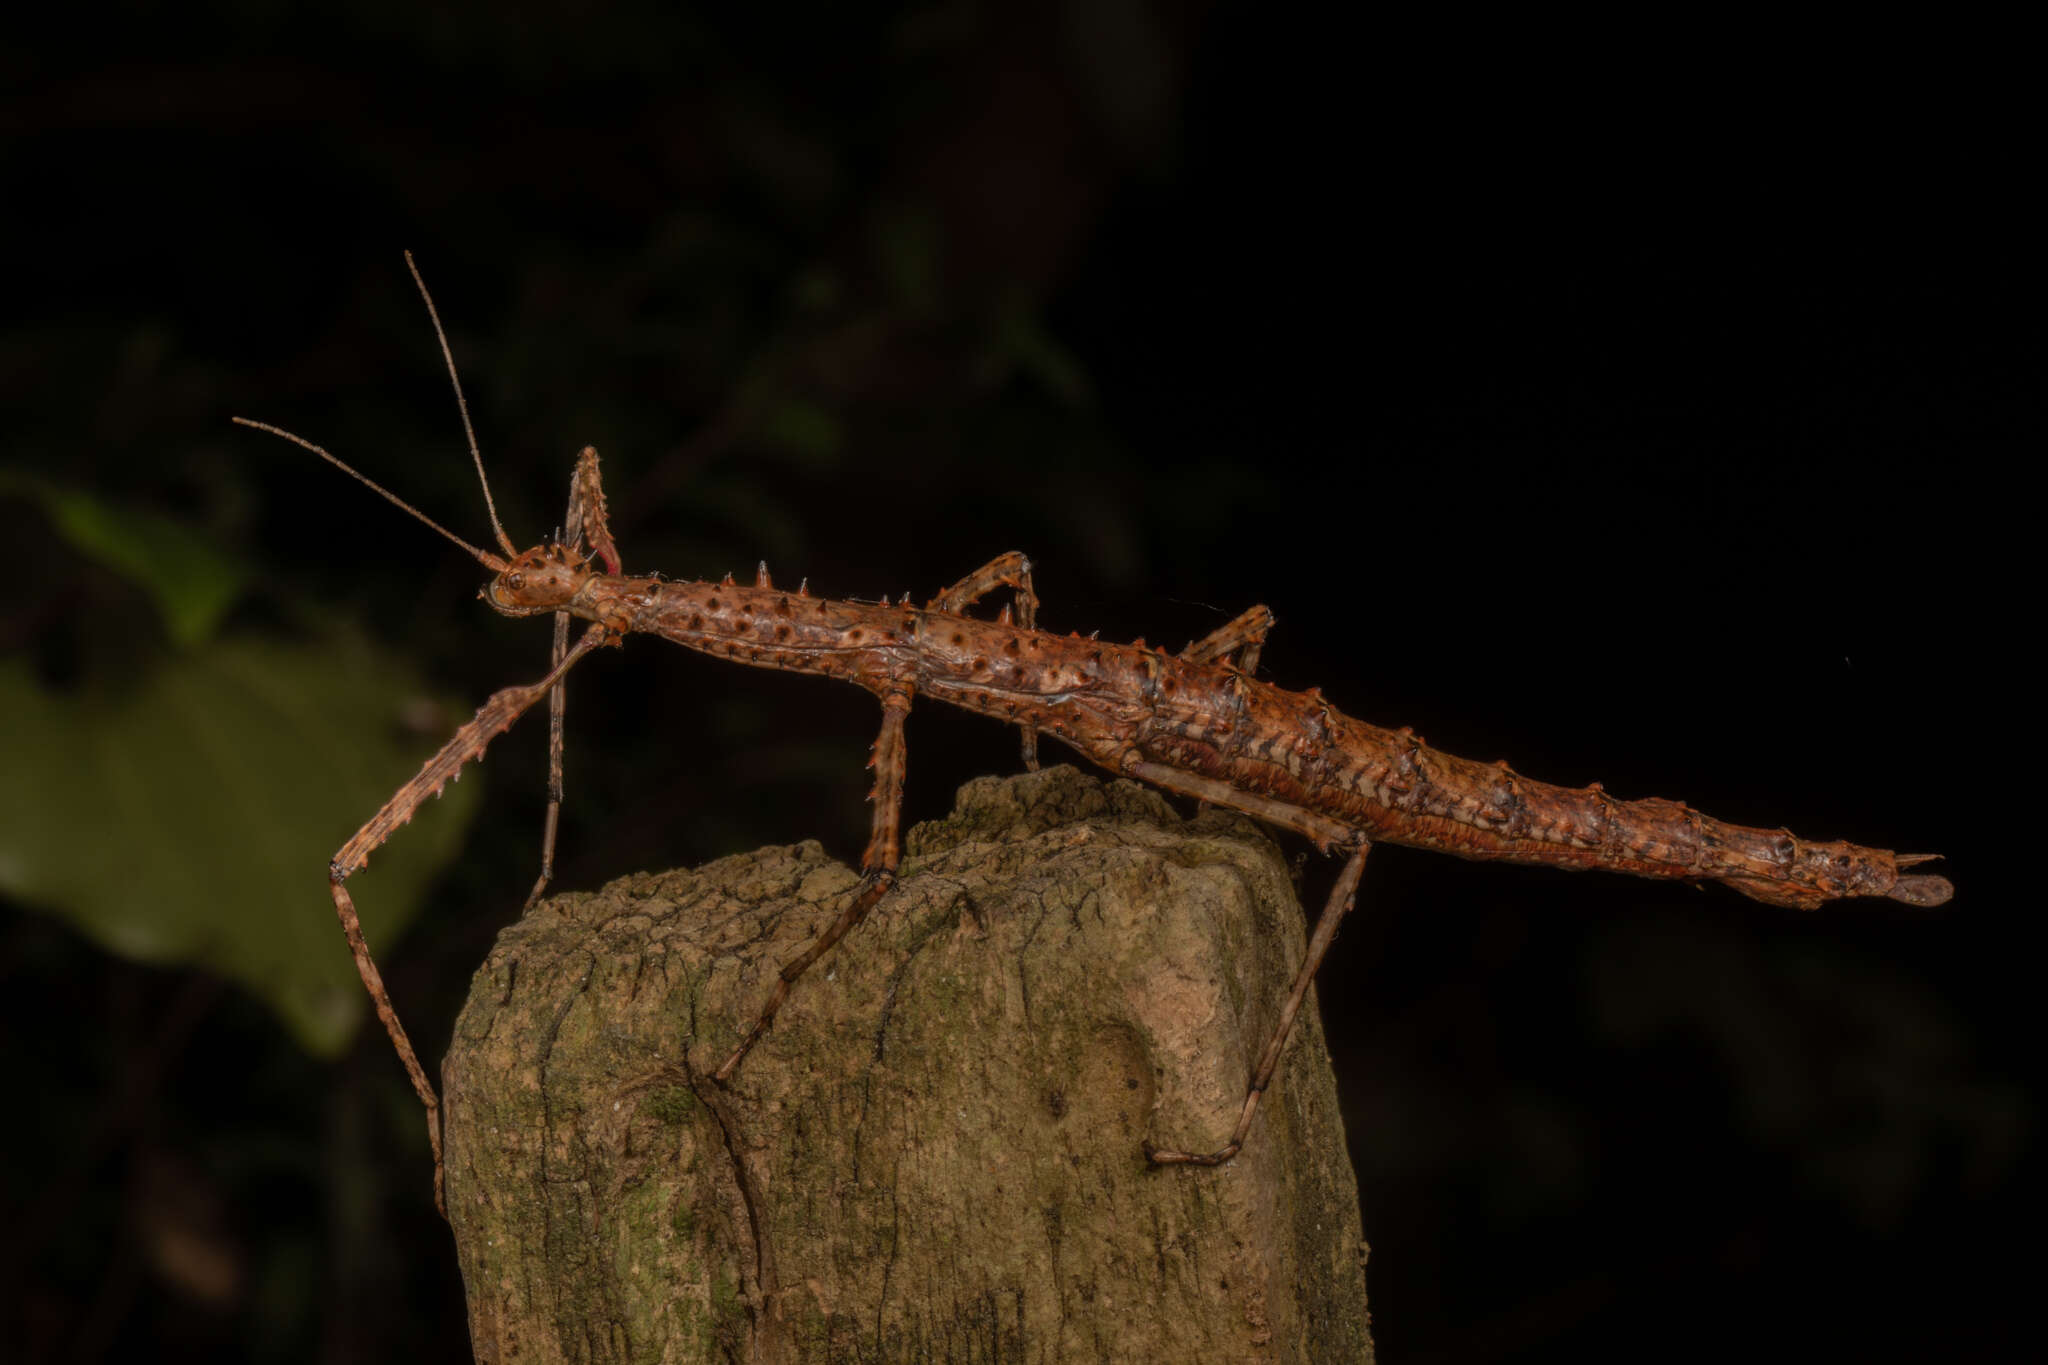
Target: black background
<point x="1641" y="405"/>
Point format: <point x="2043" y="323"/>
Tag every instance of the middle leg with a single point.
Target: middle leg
<point x="587" y="531"/>
<point x="1010" y="570"/>
<point x="879" y="862"/>
<point x="1242" y="636"/>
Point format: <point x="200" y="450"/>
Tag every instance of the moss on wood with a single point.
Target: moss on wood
<point x="935" y="1153"/>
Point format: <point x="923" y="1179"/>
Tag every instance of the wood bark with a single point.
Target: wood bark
<point x="936" y="1153"/>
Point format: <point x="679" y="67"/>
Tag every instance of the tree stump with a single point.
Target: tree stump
<point x="935" y="1154"/>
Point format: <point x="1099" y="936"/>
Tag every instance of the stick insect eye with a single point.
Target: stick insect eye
<point x="515" y="581"/>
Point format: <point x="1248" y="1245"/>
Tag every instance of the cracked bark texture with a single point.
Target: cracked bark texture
<point x="935" y="1153"/>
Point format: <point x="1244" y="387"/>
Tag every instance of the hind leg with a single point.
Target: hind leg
<point x="1341" y="898"/>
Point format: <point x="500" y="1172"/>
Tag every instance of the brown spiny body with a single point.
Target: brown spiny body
<point x="1124" y="705"/>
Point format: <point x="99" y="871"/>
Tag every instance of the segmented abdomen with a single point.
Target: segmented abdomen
<point x="1395" y="788"/>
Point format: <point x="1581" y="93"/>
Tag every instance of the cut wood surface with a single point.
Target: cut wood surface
<point x="936" y="1154"/>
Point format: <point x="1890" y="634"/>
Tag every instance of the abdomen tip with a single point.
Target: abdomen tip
<point x="1922" y="890"/>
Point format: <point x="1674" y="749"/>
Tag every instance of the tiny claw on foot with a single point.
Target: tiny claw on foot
<point x="873" y="887"/>
<point x="1159" y="1156"/>
<point x="732" y="1063"/>
<point x="440" y="1166"/>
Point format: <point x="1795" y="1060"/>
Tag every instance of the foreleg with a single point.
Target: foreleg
<point x="586" y="531"/>
<point x="558" y="702"/>
<point x="1010" y="570"/>
<point x="589" y="529"/>
<point x="878" y="862"/>
<point x="1243" y="636"/>
<point x="1341" y="897"/>
<point x="493" y="719"/>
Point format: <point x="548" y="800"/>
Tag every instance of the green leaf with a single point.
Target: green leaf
<point x="191" y="819"/>
<point x="192" y="580"/>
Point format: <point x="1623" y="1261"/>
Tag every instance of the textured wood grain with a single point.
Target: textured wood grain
<point x="938" y="1155"/>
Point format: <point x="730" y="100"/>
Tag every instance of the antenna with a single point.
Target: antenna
<point x="488" y="560"/>
<point x="462" y="404"/>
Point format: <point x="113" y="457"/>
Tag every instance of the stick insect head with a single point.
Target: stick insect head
<point x="550" y="577"/>
<point x="544" y="579"/>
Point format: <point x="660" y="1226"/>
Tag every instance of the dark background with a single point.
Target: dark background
<point x="1638" y="405"/>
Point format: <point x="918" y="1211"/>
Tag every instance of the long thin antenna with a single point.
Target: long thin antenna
<point x="462" y="404"/>
<point x="484" y="557"/>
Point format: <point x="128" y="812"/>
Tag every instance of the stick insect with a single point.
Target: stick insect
<point x="1196" y="723"/>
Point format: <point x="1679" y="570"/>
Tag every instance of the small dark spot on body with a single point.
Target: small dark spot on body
<point x="713" y="604"/>
<point x="782" y="632"/>
<point x="696" y="620"/>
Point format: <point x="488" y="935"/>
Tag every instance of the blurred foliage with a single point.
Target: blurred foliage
<point x="192" y="581"/>
<point x="189" y="818"/>
<point x="178" y="801"/>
